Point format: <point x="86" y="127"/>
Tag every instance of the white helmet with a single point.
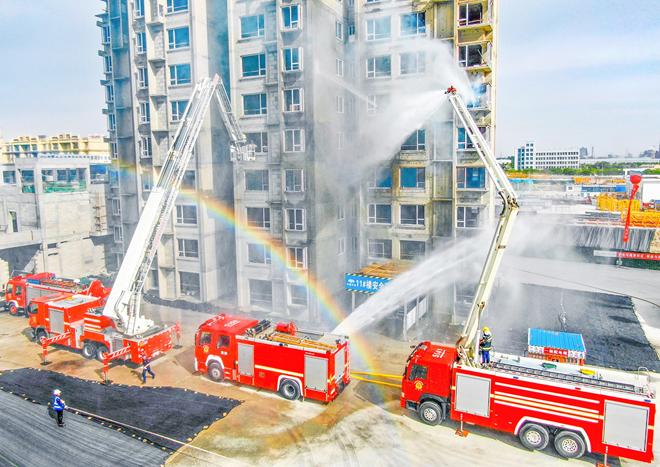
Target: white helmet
<point x="57" y="392"/>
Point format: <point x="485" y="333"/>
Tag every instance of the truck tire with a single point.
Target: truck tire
<point x="569" y="445"/>
<point x="215" y="371"/>
<point x="13" y="310"/>
<point x="89" y="350"/>
<point x="534" y="437"/>
<point x="430" y="413"/>
<point x="289" y="390"/>
<point x="100" y="352"/>
<point x="38" y="334"/>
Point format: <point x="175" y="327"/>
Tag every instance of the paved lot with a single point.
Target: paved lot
<point x="30" y="437"/>
<point x="365" y="426"/>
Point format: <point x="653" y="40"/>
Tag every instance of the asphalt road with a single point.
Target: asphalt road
<point x="29" y="437"/>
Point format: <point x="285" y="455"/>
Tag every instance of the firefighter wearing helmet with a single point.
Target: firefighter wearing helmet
<point x="58" y="406"/>
<point x="485" y="345"/>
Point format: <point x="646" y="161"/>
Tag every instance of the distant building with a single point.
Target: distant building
<point x="30" y="146"/>
<point x="53" y="215"/>
<point x="528" y="157"/>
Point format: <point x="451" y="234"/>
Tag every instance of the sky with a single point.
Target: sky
<point x="571" y="72"/>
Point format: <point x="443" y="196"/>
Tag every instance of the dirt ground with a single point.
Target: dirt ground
<point x="364" y="426"/>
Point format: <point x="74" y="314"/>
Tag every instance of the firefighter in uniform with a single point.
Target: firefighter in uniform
<point x="58" y="406"/>
<point x="485" y="345"/>
<point x="146" y="368"/>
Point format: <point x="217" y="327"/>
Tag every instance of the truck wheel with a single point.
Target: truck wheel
<point x="289" y="390"/>
<point x="534" y="437"/>
<point x="89" y="350"/>
<point x="570" y="445"/>
<point x="216" y="372"/>
<point x="101" y="351"/>
<point x="13" y="310"/>
<point x="430" y="413"/>
<point x="39" y="334"/>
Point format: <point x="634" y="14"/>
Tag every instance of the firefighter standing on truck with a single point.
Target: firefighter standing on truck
<point x="58" y="406"/>
<point x="485" y="345"/>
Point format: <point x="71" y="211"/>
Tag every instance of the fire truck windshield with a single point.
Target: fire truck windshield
<point x="418" y="372"/>
<point x="8" y="289"/>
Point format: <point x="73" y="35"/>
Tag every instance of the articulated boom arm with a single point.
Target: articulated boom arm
<point x="467" y="342"/>
<point x="123" y="303"/>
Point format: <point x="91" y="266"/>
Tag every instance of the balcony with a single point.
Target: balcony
<point x="482" y="99"/>
<point x="475" y="15"/>
<point x="475" y="57"/>
<point x="156" y="14"/>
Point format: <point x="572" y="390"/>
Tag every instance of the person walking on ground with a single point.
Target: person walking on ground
<point x="485" y="345"/>
<point x="58" y="405"/>
<point x="146" y="368"/>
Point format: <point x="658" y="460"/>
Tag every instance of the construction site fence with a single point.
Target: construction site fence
<point x="613" y="203"/>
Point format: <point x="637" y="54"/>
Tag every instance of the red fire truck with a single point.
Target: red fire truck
<point x="276" y="357"/>
<point x="21" y="289"/>
<point x="76" y="321"/>
<point x="576" y="408"/>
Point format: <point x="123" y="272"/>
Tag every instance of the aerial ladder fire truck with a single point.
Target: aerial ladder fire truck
<point x="113" y="328"/>
<point x="578" y="409"/>
<point x="23" y="287"/>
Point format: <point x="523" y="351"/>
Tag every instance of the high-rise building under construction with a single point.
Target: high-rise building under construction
<point x="307" y="79"/>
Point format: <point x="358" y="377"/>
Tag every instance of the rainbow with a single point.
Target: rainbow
<point x="359" y="346"/>
<point x="226" y="214"/>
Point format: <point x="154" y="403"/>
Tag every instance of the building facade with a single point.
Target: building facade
<point x="154" y="51"/>
<point x="284" y="68"/>
<point x="528" y="157"/>
<point x="54" y="215"/>
<point x="310" y="81"/>
<point x="94" y="147"/>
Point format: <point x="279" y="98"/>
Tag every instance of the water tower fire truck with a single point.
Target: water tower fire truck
<point x="113" y="328"/>
<point x="22" y="288"/>
<point x="277" y="357"/>
<point x="577" y="409"/>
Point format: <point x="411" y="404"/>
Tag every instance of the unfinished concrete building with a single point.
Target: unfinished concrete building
<point x="435" y="188"/>
<point x="53" y="216"/>
<point x="286" y="61"/>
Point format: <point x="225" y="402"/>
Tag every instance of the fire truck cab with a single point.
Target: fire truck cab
<point x="576" y="408"/>
<point x="21" y="289"/>
<point x="278" y="357"/>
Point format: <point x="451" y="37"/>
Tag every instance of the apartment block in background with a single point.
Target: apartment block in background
<point x="154" y="51"/>
<point x="528" y="157"/>
<point x="66" y="144"/>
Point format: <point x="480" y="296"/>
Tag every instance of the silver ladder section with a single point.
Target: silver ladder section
<point x="567" y="378"/>
<point x="123" y="303"/>
<point x="240" y="149"/>
<point x="467" y="342"/>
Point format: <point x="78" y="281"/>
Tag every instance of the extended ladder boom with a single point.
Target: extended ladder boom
<point x="123" y="303"/>
<point x="467" y="342"/>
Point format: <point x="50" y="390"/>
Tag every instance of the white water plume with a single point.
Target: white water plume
<point x="435" y="272"/>
<point x="400" y="106"/>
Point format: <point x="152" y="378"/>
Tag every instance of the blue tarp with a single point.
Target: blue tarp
<point x="556" y="340"/>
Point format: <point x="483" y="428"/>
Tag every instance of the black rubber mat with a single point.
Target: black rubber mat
<point x="173" y="412"/>
<point x="612" y="333"/>
<point x="31" y="438"/>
